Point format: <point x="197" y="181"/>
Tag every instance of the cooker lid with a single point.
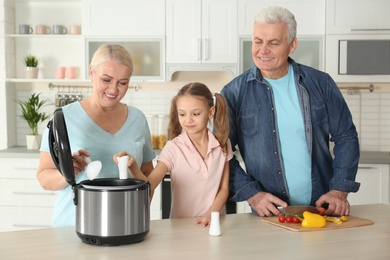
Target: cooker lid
<point x="60" y="147"/>
<point x="113" y="184"/>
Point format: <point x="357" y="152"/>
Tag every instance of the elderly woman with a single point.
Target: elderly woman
<point x="98" y="127"/>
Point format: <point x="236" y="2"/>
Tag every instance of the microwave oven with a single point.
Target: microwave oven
<point x="364" y="57"/>
<point x="358" y="57"/>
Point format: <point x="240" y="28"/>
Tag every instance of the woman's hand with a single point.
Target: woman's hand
<point x="79" y="161"/>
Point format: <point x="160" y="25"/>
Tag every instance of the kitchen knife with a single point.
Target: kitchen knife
<point x="298" y="210"/>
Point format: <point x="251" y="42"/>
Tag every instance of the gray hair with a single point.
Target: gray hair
<point x="277" y="14"/>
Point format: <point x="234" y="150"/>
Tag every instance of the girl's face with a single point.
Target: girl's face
<point x="193" y="114"/>
<point x="110" y="82"/>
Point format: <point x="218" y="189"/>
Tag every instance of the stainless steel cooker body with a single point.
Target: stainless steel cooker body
<point x="108" y="211"/>
<point x="112" y="215"/>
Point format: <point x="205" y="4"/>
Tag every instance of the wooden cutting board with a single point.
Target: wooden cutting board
<point x="352" y="222"/>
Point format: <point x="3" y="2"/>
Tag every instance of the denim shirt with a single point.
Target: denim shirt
<point x="253" y="128"/>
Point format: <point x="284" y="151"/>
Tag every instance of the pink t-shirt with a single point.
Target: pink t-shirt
<point x="194" y="181"/>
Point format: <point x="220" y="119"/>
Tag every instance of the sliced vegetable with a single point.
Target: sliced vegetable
<point x="343" y="218"/>
<point x="335" y="220"/>
<point x="313" y="220"/>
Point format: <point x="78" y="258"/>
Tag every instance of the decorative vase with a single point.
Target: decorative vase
<point x="33" y="141"/>
<point x="32" y="72"/>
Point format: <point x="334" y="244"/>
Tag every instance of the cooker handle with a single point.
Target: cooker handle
<point x="75" y="194"/>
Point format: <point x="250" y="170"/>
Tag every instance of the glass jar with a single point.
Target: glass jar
<point x="162" y="130"/>
<point x="152" y="122"/>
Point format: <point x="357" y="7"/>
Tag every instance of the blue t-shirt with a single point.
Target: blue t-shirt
<point x="295" y="152"/>
<point x="84" y="133"/>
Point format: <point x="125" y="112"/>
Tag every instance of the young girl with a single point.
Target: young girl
<point x="196" y="158"/>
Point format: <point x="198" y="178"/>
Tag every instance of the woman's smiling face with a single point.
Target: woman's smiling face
<point x="110" y="82"/>
<point x="270" y="49"/>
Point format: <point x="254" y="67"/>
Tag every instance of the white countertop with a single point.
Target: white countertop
<point x="244" y="236"/>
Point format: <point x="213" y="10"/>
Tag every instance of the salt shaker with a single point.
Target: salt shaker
<point x="215" y="228"/>
<point x="122" y="166"/>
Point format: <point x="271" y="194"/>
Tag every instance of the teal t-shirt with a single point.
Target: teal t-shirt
<point x="295" y="152"/>
<point x="84" y="133"/>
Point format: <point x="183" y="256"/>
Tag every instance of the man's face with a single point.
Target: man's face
<point x="270" y="49"/>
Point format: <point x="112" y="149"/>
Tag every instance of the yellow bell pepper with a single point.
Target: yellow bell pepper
<point x="313" y="220"/>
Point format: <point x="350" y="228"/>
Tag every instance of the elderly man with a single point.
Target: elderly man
<point x="283" y="115"/>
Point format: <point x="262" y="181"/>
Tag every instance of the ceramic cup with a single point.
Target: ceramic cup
<point x="42" y="29"/>
<point x="71" y="72"/>
<point x="60" y="72"/>
<point x="59" y="29"/>
<point x="25" y="29"/>
<point x="75" y="29"/>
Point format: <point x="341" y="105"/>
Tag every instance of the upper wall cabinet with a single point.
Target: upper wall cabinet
<point x="201" y="31"/>
<point x="124" y="17"/>
<point x="367" y="16"/>
<point x="309" y="14"/>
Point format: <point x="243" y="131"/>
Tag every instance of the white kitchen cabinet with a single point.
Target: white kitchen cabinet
<point x="156" y="205"/>
<point x="374" y="187"/>
<point x="124" y="17"/>
<point x="357" y="17"/>
<point x="23" y="203"/>
<point x="309" y="14"/>
<point x="201" y="31"/>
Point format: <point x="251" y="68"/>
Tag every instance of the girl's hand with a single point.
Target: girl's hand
<point x="131" y="162"/>
<point x="120" y="154"/>
<point x="79" y="162"/>
<point x="204" y="221"/>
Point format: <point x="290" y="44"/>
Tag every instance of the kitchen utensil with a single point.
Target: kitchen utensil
<point x="352" y="222"/>
<point x="122" y="166"/>
<point x="109" y="211"/>
<point x="93" y="169"/>
<point x="298" y="210"/>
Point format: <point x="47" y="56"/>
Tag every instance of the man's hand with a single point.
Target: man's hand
<point x="264" y="204"/>
<point x="337" y="201"/>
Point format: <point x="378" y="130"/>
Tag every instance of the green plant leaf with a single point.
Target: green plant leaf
<point x="31" y="112"/>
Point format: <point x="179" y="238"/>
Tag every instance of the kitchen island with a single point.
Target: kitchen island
<point x="244" y="236"/>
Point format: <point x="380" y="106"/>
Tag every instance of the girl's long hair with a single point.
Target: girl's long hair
<point x="221" y="118"/>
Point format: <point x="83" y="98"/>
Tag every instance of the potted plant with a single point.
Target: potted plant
<point x="31" y="112"/>
<point x="32" y="69"/>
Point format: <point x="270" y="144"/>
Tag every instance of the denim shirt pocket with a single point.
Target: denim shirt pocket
<point x="249" y="120"/>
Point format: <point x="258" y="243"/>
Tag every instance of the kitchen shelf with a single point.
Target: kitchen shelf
<point x="48" y="80"/>
<point x="46" y="36"/>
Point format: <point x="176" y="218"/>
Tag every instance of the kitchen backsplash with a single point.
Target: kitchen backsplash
<point x="371" y="113"/>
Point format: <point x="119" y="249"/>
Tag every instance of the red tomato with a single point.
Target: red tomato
<point x="281" y="218"/>
<point x="295" y="219"/>
<point x="289" y="219"/>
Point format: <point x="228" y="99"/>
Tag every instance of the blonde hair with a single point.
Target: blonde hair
<point x="114" y="52"/>
<point x="221" y="118"/>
